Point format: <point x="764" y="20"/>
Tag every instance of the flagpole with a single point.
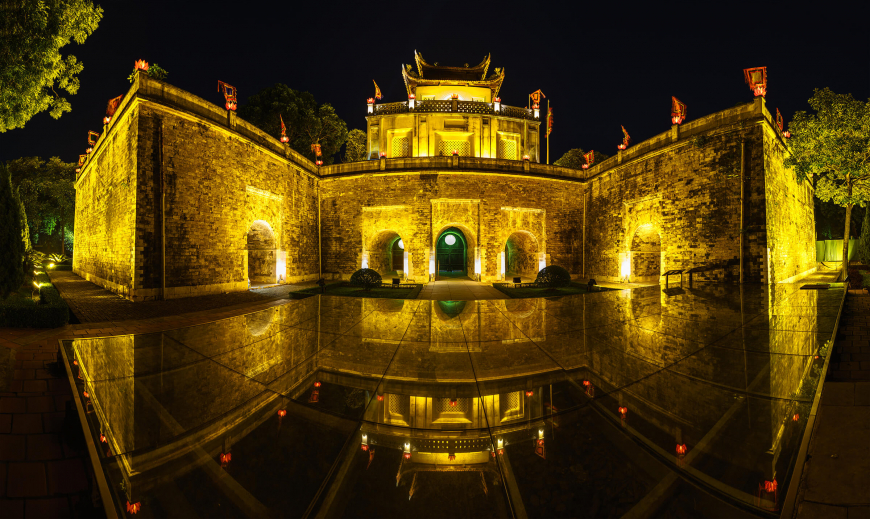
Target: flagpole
<point x="548" y="131"/>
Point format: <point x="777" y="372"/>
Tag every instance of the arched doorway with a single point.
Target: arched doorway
<point x="261" y="253"/>
<point x="521" y="255"/>
<point x="387" y="254"/>
<point x="646" y="254"/>
<point x="451" y="253"/>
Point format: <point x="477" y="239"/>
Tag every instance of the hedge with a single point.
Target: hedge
<point x="24" y="313"/>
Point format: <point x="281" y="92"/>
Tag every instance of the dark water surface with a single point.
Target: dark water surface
<point x="572" y="407"/>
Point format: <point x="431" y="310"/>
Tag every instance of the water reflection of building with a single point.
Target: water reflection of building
<point x="446" y="381"/>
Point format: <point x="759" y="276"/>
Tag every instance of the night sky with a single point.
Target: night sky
<point x="600" y="66"/>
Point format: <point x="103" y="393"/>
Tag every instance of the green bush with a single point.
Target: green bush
<point x="23" y="312"/>
<point x="553" y="276"/>
<point x="366" y="278"/>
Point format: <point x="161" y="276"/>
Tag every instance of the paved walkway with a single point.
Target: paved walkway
<point x="459" y="289"/>
<point x="93" y="303"/>
<point x="836" y="477"/>
<point x="44" y="471"/>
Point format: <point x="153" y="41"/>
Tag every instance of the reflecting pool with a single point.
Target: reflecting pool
<point x="646" y="402"/>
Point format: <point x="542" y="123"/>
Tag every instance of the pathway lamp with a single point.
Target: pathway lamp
<point x="411" y="101"/>
<point x="496" y="104"/>
<point x="371" y="105"/>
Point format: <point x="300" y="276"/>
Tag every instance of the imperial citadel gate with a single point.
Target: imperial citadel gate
<point x="166" y="201"/>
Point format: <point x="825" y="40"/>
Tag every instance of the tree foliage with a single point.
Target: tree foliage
<point x="553" y="276"/>
<point x="355" y="148"/>
<point x="306" y="122"/>
<point x="366" y="278"/>
<point x="46" y="189"/>
<point x="831" y="148"/>
<point x="574" y="158"/>
<point x="32" y="68"/>
<point x="11" y="243"/>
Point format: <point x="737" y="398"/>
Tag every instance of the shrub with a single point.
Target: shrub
<point x="366" y="278"/>
<point x="553" y="276"/>
<point x="22" y="312"/>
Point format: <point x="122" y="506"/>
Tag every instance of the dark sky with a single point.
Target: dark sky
<point x="601" y="65"/>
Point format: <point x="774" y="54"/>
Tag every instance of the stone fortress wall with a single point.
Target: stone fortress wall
<point x="177" y="181"/>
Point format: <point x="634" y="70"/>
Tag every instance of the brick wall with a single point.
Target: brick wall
<point x="219" y="175"/>
<point x="418" y="207"/>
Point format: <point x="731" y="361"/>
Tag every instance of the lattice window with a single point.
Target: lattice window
<point x="448" y="147"/>
<point x="398" y="409"/>
<point x="511" y="405"/>
<point x="507" y="149"/>
<point x="442" y="405"/>
<point x="401" y="147"/>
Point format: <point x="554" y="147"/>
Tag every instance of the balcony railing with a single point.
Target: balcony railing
<point x="455" y="106"/>
<point x="445" y="164"/>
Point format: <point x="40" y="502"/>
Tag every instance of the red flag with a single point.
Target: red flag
<point x="92" y="137"/>
<point x="540" y="450"/>
<point x="536" y="96"/>
<point x="779" y="119"/>
<point x="678" y="110"/>
<point x="549" y="121"/>
<point x="590" y="157"/>
<point x="377" y="90"/>
<point x="113" y="105"/>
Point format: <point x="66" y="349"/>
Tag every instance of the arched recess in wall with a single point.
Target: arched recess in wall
<point x="387" y="253"/>
<point x="521" y="255"/>
<point x="646" y="254"/>
<point x="261" y="247"/>
<point x="455" y="250"/>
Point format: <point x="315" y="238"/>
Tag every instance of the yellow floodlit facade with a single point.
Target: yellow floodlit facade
<point x="452" y="111"/>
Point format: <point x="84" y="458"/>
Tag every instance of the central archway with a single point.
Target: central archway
<point x="521" y="255"/>
<point x="451" y="253"/>
<point x="646" y="254"/>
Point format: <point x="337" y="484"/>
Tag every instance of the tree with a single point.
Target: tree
<point x="31" y="66"/>
<point x="306" y="122"/>
<point x="11" y="243"/>
<point x="574" y="158"/>
<point x="46" y="188"/>
<point x="831" y="148"/>
<point x="863" y="252"/>
<point x="355" y="148"/>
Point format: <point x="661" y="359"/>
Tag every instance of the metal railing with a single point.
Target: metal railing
<point x="454" y="106"/>
<point x="447" y="163"/>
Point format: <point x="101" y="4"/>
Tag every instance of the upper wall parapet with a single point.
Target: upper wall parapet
<point x="148" y="89"/>
<point x="454" y="164"/>
<point x="755" y="111"/>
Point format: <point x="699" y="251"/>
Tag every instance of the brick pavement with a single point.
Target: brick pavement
<point x="836" y="477"/>
<point x="41" y="473"/>
<point x="850" y="360"/>
<point x="91" y="303"/>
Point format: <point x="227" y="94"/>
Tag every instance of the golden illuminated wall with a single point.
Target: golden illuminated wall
<point x="488" y="209"/>
<point x="174" y="191"/>
<point x="105" y="216"/>
<point x="684" y="185"/>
